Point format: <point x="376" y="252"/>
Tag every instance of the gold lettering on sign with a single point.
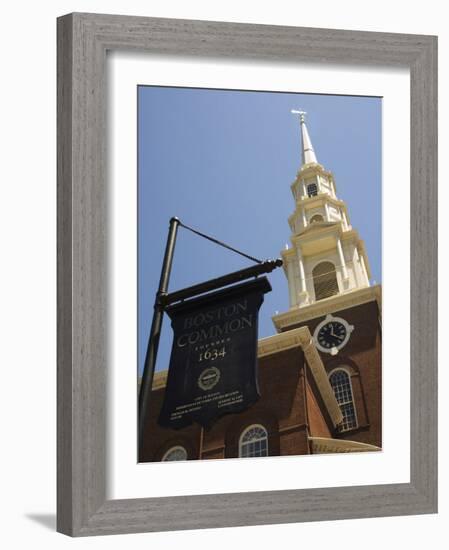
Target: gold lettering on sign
<point x="214" y="331"/>
<point x="215" y="315"/>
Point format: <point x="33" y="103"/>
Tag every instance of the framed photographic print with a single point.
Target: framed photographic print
<point x="196" y="151"/>
<point x="199" y="148"/>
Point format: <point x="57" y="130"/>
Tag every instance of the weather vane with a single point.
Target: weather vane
<point x="300" y="113"/>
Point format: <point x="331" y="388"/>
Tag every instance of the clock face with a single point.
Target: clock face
<point x="332" y="335"/>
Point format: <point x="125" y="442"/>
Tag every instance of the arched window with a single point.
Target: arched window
<point x="316" y="218"/>
<point x="175" y="453"/>
<point x="324" y="280"/>
<point x="341" y="384"/>
<point x="253" y="442"/>
<point x="312" y="189"/>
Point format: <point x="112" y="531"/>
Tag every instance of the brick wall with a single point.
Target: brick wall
<point x="362" y="356"/>
<point x="290" y="406"/>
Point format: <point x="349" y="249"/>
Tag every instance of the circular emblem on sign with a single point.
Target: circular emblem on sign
<point x="208" y="378"/>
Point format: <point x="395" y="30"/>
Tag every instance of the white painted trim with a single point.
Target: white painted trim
<point x="322" y="445"/>
<point x="172" y="449"/>
<point x="246" y="430"/>
<point x="342" y="367"/>
<point x="329" y="305"/>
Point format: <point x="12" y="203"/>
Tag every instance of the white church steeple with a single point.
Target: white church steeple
<point x="327" y="257"/>
<point x="307" y="153"/>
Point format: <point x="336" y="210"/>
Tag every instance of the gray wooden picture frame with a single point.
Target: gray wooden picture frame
<point x="83" y="41"/>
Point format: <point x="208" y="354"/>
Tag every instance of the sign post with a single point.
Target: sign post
<point x="156" y="326"/>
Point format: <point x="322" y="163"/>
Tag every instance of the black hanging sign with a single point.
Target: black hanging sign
<point x="213" y="363"/>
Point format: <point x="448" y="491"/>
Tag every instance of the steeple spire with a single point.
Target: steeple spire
<point x="307" y="153"/>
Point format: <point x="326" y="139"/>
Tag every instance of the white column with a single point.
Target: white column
<point x="365" y="272"/>
<point x="326" y="208"/>
<point x="357" y="269"/>
<point x="342" y="260"/>
<point x="302" y="276"/>
<point x="291" y="283"/>
<point x="345" y="219"/>
<point x="304" y="219"/>
<point x="304" y="190"/>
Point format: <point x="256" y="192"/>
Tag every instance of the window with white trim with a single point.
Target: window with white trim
<point x="341" y="384"/>
<point x="175" y="453"/>
<point x="253" y="442"/>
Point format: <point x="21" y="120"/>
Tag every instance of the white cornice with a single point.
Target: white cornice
<point x="321" y="230"/>
<point x="282" y="342"/>
<point x="323" y="445"/>
<point x="311" y="168"/>
<point x="318" y="199"/>
<point x="328" y="305"/>
<point x="316" y="226"/>
<point x="286" y="253"/>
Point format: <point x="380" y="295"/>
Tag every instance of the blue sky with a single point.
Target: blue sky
<point x="223" y="161"/>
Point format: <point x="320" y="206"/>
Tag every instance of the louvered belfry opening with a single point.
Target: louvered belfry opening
<point x="324" y="280"/>
<point x="312" y="190"/>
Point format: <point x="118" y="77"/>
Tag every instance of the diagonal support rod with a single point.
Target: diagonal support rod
<point x="224" y="245"/>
